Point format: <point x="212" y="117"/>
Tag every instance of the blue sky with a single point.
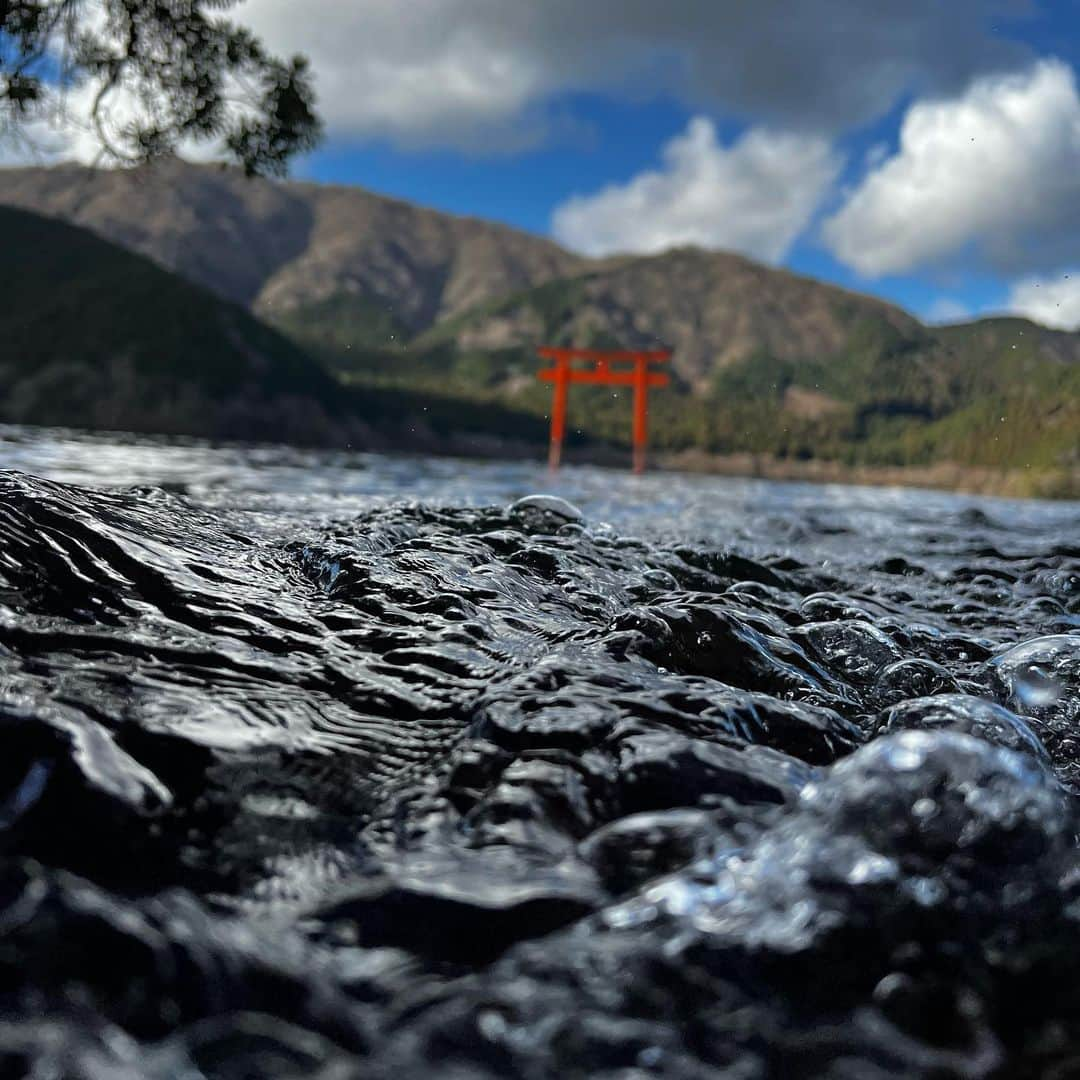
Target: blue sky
<point x="927" y="151"/>
<point x="993" y="74"/>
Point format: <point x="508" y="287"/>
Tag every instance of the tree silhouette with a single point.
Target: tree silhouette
<point x="156" y="73"/>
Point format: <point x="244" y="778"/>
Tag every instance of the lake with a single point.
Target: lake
<point x="319" y="763"/>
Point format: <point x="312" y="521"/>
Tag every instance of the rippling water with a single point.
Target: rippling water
<point x="335" y="765"/>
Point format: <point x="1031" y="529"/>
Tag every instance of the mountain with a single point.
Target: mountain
<point x="340" y="265"/>
<point x="714" y="309"/>
<point x="95" y="336"/>
<point x="343" y="266"/>
<point x="284" y="247"/>
<point x="421" y="313"/>
<point x="767" y="363"/>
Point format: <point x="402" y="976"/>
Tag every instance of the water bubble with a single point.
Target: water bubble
<point x="927" y="891"/>
<point x="631" y="914"/>
<point x="855" y="650"/>
<point x="543" y="513"/>
<point x="660" y="579"/>
<point x="967" y="715"/>
<point x="912" y="678"/>
<point x="871" y="869"/>
<point x="942" y="793"/>
<point x="492" y="1024"/>
<point x="904" y="756"/>
<point x="1041" y="679"/>
<point x="1037" y="687"/>
<point x="571" y="528"/>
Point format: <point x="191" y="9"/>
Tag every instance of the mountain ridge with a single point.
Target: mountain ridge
<point x="280" y="246"/>
<point x="272" y="245"/>
<point x="96" y="336"/>
<point x="301" y="249"/>
<point x="399" y="301"/>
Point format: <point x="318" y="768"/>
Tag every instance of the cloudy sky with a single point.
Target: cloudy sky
<point x="924" y="150"/>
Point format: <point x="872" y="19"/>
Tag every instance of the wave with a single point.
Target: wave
<point x="502" y="791"/>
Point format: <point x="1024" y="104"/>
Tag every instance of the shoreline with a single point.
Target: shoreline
<point x="1012" y="483"/>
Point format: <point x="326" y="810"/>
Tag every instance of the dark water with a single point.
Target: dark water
<point x="333" y="767"/>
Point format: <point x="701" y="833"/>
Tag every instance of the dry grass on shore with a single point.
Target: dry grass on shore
<point x="948" y="476"/>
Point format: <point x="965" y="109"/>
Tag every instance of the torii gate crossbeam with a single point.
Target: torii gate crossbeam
<point x="563" y="372"/>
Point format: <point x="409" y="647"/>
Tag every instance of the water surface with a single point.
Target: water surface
<point x="338" y="764"/>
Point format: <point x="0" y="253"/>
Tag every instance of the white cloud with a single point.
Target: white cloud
<point x="485" y="75"/>
<point x="69" y="134"/>
<point x="478" y="74"/>
<point x="33" y="147"/>
<point x="994" y="171"/>
<point x="443" y="72"/>
<point x="1053" y="302"/>
<point x="946" y="310"/>
<point x="65" y="135"/>
<point x="754" y="197"/>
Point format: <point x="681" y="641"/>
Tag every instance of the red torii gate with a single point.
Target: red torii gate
<point x="562" y="373"/>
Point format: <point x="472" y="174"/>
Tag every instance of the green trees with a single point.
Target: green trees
<point x="154" y="74"/>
